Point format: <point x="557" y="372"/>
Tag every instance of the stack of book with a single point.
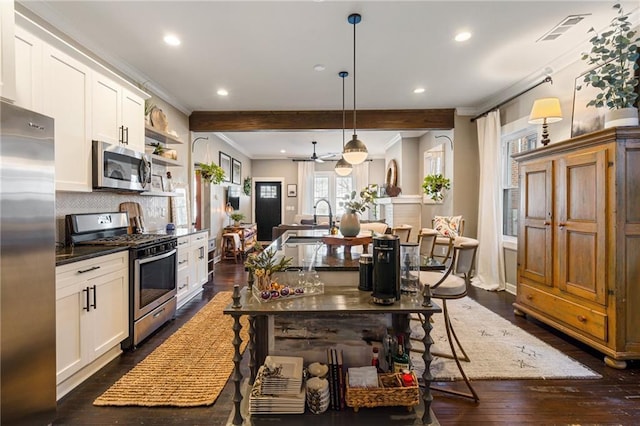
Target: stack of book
<point x="278" y="387"/>
<point x="336" y="379"/>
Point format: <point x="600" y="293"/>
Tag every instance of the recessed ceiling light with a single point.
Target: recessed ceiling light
<point x="172" y="40"/>
<point x="282" y="151"/>
<point x="418" y="90"/>
<point x="222" y="92"/>
<point x="463" y="36"/>
<point x="319" y="67"/>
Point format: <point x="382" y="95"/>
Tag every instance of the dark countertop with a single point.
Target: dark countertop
<point x="305" y="249"/>
<point x="65" y="255"/>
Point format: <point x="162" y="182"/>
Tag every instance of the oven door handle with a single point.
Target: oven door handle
<point x="155" y="258"/>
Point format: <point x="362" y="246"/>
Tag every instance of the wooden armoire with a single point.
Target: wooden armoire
<point x="579" y="240"/>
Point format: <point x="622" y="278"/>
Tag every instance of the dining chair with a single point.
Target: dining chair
<point x="403" y="232"/>
<point x="426" y="240"/>
<point x="451" y="285"/>
<point x="448" y="228"/>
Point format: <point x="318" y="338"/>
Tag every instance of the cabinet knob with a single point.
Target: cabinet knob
<point x="529" y="297"/>
<point x="582" y="318"/>
<point x="547" y="223"/>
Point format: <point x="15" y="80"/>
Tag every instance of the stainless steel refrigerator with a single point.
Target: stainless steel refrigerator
<point x="27" y="268"/>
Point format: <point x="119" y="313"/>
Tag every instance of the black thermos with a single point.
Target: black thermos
<point x="366" y="272"/>
<point x="386" y="269"/>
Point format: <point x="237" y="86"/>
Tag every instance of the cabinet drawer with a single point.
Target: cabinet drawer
<point x="183" y="280"/>
<point x="88" y="269"/>
<point x="183" y="241"/>
<point x="574" y="315"/>
<point x="199" y="237"/>
<point x="183" y="259"/>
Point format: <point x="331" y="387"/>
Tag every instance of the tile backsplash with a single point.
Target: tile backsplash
<point x="156" y="210"/>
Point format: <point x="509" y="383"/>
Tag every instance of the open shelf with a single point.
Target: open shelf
<point x="163" y="161"/>
<point x="160" y="136"/>
<point x="159" y="193"/>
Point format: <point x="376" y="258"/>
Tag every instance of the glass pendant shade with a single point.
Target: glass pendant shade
<point x="343" y="168"/>
<point x="355" y="151"/>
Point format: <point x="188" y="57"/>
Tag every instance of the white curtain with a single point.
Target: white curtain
<point x="490" y="257"/>
<point x="306" y="170"/>
<point x="361" y="180"/>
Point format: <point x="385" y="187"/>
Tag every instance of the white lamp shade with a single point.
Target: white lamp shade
<point x="355" y="151"/>
<point x="545" y="110"/>
<point x="343" y="168"/>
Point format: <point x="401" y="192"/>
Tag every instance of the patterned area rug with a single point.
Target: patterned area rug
<point x="497" y="348"/>
<point x="189" y="369"/>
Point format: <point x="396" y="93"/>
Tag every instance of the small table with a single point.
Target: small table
<point x="347" y="242"/>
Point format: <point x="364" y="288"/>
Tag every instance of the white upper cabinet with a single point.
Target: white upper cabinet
<point x="118" y="114"/>
<point x="66" y="98"/>
<point x="29" y="77"/>
<point x="7" y="68"/>
<point x="133" y="119"/>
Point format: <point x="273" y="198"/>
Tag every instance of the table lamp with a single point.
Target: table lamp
<point x="228" y="210"/>
<point x="545" y="111"/>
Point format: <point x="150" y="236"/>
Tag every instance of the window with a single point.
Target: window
<point x="332" y="187"/>
<point x="513" y="144"/>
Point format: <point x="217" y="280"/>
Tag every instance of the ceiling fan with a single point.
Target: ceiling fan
<point x="315" y="157"/>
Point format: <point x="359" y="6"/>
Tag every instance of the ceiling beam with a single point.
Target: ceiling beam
<point x="248" y="121"/>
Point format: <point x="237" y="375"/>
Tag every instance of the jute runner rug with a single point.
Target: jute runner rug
<point x="498" y="349"/>
<point x="189" y="369"/>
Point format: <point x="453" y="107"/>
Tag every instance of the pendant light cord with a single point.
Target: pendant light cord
<point x="343" y="112"/>
<point x="354" y="75"/>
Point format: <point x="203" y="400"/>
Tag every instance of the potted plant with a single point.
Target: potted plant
<point x="211" y="172"/>
<point x="614" y="53"/>
<point x="435" y="185"/>
<point x="236" y="217"/>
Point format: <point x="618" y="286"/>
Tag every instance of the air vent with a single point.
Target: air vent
<point x="562" y="27"/>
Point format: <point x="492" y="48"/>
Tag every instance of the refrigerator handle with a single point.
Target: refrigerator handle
<point x="87" y="307"/>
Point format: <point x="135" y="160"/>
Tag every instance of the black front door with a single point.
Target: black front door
<point x="268" y="207"/>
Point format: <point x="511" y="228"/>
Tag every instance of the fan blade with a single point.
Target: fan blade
<point x="318" y="160"/>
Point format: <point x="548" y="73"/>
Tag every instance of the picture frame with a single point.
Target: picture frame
<point x="225" y="163"/>
<point x="157" y="183"/>
<point x="585" y="119"/>
<point x="180" y="206"/>
<point x="236" y="172"/>
<point x="292" y="190"/>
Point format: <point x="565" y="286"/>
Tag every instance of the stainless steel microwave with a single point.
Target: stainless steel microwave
<point x="118" y="168"/>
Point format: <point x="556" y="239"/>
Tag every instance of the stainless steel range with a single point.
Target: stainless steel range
<point x="152" y="268"/>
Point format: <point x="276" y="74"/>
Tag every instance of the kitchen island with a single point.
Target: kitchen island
<point x="341" y="297"/>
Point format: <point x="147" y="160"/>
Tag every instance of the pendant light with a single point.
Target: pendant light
<point x="343" y="167"/>
<point x="355" y="152"/>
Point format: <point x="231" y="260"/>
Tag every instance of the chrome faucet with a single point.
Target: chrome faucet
<point x="315" y="216"/>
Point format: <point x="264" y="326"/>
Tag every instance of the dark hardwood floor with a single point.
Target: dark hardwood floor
<point x="612" y="400"/>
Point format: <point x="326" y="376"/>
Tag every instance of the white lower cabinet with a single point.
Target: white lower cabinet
<point x="192" y="265"/>
<point x="92" y="316"/>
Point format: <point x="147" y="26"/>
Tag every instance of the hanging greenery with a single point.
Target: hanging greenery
<point x="435" y="185"/>
<point x="246" y="186"/>
<point x="211" y="172"/>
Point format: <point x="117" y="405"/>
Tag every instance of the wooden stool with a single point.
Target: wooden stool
<point x="230" y="246"/>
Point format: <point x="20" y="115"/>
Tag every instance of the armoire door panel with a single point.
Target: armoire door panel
<point x="535" y="228"/>
<point x="632" y="195"/>
<point x="580" y="230"/>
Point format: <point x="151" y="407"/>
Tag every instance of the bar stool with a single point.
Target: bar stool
<point x="231" y="246"/>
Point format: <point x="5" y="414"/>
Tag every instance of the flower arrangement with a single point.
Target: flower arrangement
<point x="263" y="264"/>
<point x="367" y="196"/>
<point x="434" y="186"/>
<point x="246" y="186"/>
<point x="211" y="172"/>
<point x="615" y="52"/>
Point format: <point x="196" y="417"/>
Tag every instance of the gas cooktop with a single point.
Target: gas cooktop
<point x="107" y="229"/>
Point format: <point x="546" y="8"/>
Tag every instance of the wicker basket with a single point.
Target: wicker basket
<point x="389" y="393"/>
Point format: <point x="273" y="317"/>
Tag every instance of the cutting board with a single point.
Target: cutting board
<point x="136" y="219"/>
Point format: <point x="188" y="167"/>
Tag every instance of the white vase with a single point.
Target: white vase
<point x="621" y="117"/>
